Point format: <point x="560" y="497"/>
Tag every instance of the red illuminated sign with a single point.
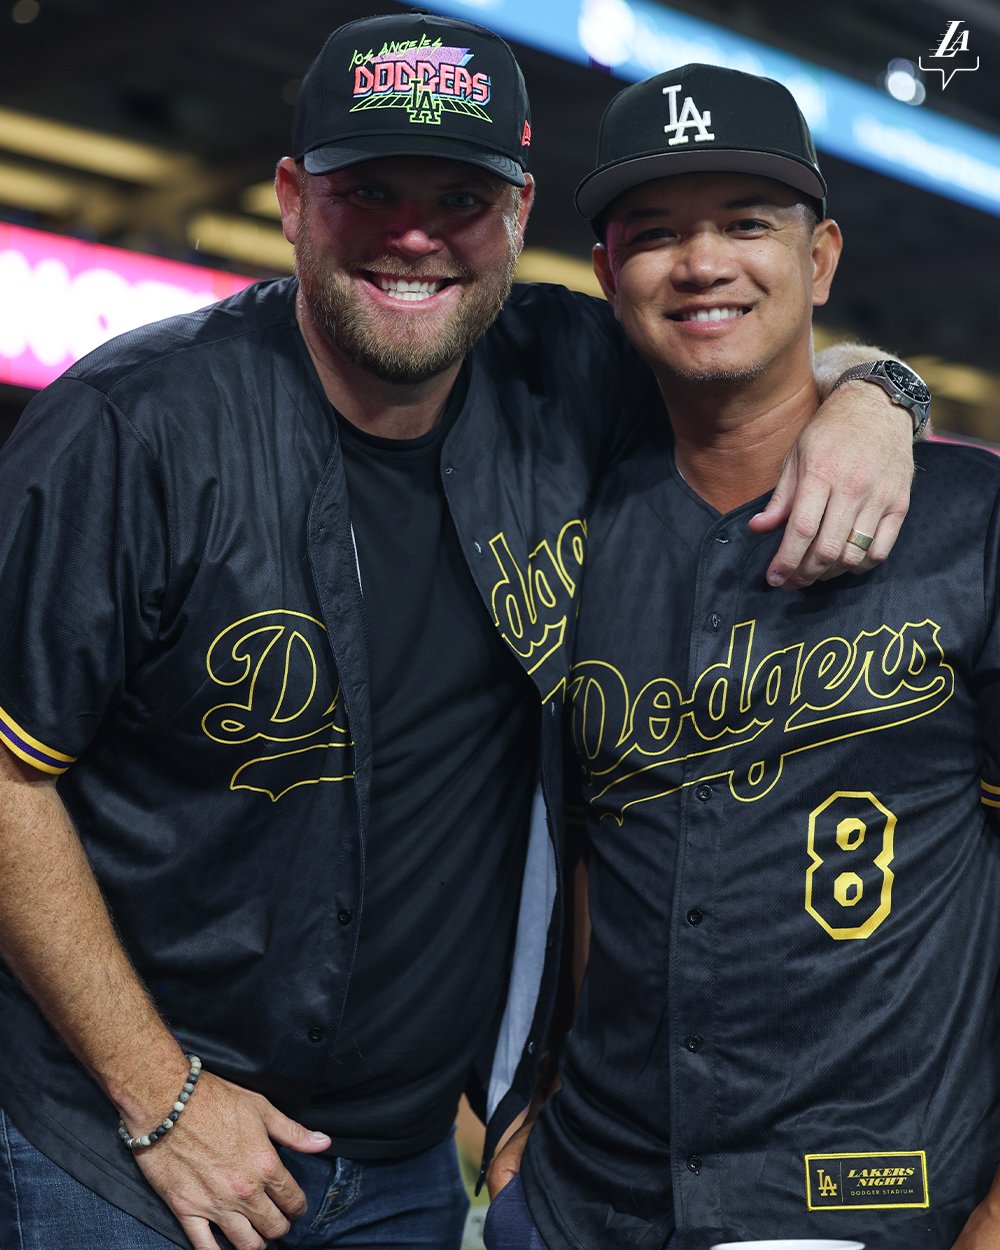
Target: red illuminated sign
<point x="60" y="298"/>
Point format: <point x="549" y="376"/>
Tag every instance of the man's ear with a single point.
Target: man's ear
<point x="525" y="204"/>
<point x="827" y="242"/>
<point x="288" y="188"/>
<point x="605" y="274"/>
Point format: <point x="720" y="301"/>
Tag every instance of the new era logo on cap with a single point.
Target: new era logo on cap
<point x="701" y="118"/>
<point x="413" y="85"/>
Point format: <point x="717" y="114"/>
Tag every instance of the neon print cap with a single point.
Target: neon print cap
<point x="413" y="85"/>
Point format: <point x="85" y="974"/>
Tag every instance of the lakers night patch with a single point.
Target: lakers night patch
<point x="840" y="1182"/>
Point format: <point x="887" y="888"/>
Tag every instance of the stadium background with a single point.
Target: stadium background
<point x="155" y="127"/>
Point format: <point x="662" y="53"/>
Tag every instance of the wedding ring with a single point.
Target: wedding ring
<point x="864" y="541"/>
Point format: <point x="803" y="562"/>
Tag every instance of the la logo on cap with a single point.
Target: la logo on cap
<point x="689" y="117"/>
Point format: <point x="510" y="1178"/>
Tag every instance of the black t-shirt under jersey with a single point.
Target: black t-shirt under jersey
<point x="454" y="747"/>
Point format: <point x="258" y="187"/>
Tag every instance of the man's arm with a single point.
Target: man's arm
<point x="851" y="470"/>
<point x="217" y="1164"/>
<point x="982" y="1229"/>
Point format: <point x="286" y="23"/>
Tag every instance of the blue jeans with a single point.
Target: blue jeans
<point x="509" y="1225"/>
<point x="417" y="1203"/>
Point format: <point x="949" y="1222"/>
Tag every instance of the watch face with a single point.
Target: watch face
<point x="909" y="383"/>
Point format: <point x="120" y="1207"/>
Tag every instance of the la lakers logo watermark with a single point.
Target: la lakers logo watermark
<point x="952" y="54"/>
<point x="688" y="118"/>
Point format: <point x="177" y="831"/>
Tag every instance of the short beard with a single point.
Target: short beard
<point x="723" y="381"/>
<point x="419" y="356"/>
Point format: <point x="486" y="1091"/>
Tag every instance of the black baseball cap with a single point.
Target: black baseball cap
<point x="700" y="118"/>
<point x="413" y="85"/>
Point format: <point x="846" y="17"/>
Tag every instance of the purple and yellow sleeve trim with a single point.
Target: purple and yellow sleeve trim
<point x="33" y="752"/>
<point x="989" y="795"/>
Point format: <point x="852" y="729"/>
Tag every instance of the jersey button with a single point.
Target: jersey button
<point x="722" y="539"/>
<point x="694" y="916"/>
<point x="694" y="1164"/>
<point x="345" y="916"/>
<point x="703" y="793"/>
<point x="715" y="620"/>
<point x="316" y="1034"/>
<point x="693" y="1044"/>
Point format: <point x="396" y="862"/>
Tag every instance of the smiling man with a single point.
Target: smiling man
<point x="352" y="290"/>
<point x="288" y="592"/>
<point x="791" y="799"/>
<point x="726" y="317"/>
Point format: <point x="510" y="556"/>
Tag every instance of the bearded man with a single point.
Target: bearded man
<point x="288" y="595"/>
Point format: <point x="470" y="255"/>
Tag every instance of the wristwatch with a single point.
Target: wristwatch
<point x="901" y="384"/>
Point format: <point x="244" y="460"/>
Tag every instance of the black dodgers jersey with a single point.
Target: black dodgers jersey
<point x="788" y="1023"/>
<point x="183" y="643"/>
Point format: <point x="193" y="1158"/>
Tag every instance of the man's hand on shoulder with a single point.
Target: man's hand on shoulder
<point x="218" y="1166"/>
<point x="849" y="474"/>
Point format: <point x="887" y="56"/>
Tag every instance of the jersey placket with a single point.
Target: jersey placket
<point x="698" y="943"/>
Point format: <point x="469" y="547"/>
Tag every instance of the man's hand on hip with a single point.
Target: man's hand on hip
<point x="982" y="1229"/>
<point x="218" y="1166"/>
<point x="506" y="1163"/>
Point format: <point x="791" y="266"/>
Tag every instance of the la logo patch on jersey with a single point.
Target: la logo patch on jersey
<point x="840" y="1182"/>
<point x="688" y="117"/>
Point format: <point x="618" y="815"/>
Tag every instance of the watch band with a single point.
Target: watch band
<point x="875" y="371"/>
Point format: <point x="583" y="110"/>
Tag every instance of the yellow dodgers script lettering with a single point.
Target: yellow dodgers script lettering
<point x="282" y="692"/>
<point x="742" y="717"/>
<point x="532" y="606"/>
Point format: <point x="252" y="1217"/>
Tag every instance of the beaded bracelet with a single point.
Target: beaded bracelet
<point x="147" y="1139"/>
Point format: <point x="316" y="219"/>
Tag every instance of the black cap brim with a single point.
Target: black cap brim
<point x="341" y="155"/>
<point x="598" y="189"/>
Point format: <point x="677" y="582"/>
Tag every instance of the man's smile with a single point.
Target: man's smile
<point x="727" y="313"/>
<point x="405" y="290"/>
